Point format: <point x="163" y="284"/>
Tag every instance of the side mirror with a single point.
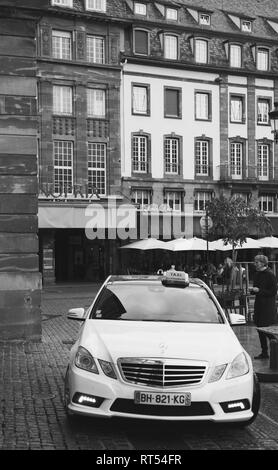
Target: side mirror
<point x="237" y="319"/>
<point x="76" y="314"/>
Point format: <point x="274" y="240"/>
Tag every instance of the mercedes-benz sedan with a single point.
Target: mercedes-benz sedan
<point x="161" y="348"/>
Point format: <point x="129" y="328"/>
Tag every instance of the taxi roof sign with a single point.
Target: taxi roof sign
<point x="175" y="278"/>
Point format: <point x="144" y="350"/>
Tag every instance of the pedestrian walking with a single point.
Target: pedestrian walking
<point x="229" y="274"/>
<point x="265" y="290"/>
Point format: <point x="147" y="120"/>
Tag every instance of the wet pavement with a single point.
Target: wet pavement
<point x="32" y="414"/>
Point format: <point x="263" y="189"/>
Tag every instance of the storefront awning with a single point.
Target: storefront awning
<point x="93" y="215"/>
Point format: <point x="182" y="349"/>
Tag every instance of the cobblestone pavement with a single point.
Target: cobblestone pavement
<point x="32" y="415"/>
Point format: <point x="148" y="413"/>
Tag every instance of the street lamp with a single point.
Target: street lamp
<point x="273" y="116"/>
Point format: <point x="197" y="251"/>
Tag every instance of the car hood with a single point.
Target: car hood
<point x="110" y="339"/>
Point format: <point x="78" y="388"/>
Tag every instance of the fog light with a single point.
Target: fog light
<point x="237" y="405"/>
<point x="87" y="400"/>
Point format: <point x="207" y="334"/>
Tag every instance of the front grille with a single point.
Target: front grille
<point x="161" y="373"/>
<point x="198" y="408"/>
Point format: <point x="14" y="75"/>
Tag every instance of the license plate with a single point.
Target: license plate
<point x="167" y="399"/>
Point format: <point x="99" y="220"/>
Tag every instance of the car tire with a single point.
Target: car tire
<point x="255" y="404"/>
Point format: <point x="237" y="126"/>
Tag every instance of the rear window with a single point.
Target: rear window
<point x="155" y="302"/>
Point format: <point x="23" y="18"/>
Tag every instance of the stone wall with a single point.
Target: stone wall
<point x="20" y="284"/>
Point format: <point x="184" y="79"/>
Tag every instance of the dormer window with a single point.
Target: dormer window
<point x="140" y="8"/>
<point x="141" y="42"/>
<point x="262" y="59"/>
<point x="170" y="47"/>
<point x="204" y="19"/>
<point x="171" y="14"/>
<point x="96" y="5"/>
<point x="235" y="55"/>
<point x="201" y="51"/>
<point x="62" y="3"/>
<point x="246" y="26"/>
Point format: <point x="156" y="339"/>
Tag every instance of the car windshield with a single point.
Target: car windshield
<point x="155" y="302"/>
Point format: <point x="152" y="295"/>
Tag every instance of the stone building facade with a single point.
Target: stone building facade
<point x="153" y="103"/>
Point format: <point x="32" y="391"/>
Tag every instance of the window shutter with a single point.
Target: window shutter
<point x="191" y="42"/>
<point x="46" y="40"/>
<point x="172" y="102"/>
<point x="141" y="42"/>
<point x="149" y="157"/>
<point x="253" y="50"/>
<point x="80" y="45"/>
<point x="114" y="48"/>
<point x="270" y="157"/>
<point x="226" y="47"/>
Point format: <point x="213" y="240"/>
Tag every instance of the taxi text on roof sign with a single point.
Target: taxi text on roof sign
<point x="173" y="277"/>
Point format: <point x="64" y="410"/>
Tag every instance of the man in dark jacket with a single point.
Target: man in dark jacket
<point x="265" y="289"/>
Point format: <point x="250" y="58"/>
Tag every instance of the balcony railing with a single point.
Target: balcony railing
<point x="249" y="173"/>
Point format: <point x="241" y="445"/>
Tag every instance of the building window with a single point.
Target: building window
<point x="139" y="154"/>
<point x="202" y="157"/>
<point x="61" y="45"/>
<point x="266" y="203"/>
<point x="236" y="159"/>
<point x="63" y="166"/>
<point x="62" y="100"/>
<point x="202" y="106"/>
<point x="96" y="5"/>
<point x="263" y="161"/>
<point x="200" y="200"/>
<point x="171" y="156"/>
<point x="171" y="14"/>
<point x="235" y="55"/>
<point x="263" y="110"/>
<point x="173" y="200"/>
<point x="140" y="8"/>
<point x="143" y="197"/>
<point x="96" y="105"/>
<point x="62" y="3"/>
<point x="243" y="196"/>
<point x="246" y="26"/>
<point x="262" y="59"/>
<point x="97" y="168"/>
<point x="170" y="47"/>
<point x="141" y="99"/>
<point x="204" y="19"/>
<point x="237" y="109"/>
<point x="201" y="51"/>
<point x="172" y="102"/>
<point x="96" y="49"/>
<point x="141" y="42"/>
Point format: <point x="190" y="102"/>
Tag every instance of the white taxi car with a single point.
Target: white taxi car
<point x="161" y="348"/>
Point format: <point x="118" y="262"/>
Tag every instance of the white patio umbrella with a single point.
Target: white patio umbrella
<point x="249" y="244"/>
<point x="219" y="245"/>
<point x="268" y="242"/>
<point x="147" y="244"/>
<point x="188" y="244"/>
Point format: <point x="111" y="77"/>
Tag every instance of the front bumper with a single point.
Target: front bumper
<point x="118" y="398"/>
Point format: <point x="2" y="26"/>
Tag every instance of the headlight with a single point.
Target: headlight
<point x="217" y="372"/>
<point x="84" y="360"/>
<point x="108" y="369"/>
<point x="238" y="367"/>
